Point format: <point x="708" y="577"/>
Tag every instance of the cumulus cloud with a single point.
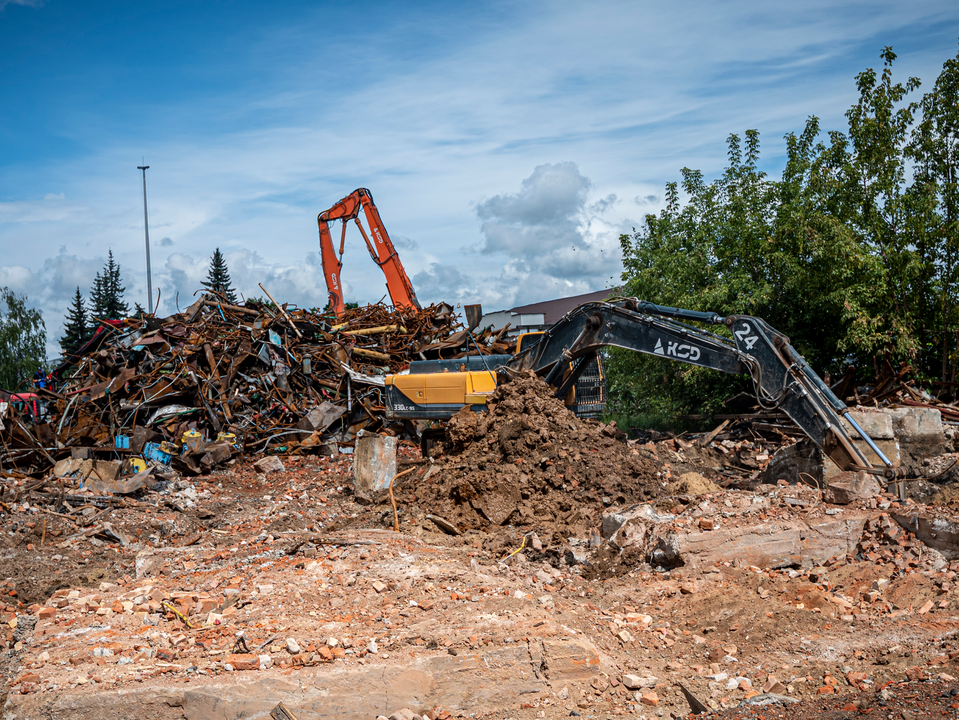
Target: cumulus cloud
<point x="166" y="242"/>
<point x="554" y="240"/>
<point x="442" y="281"/>
<point x="300" y="284"/>
<point x="646" y="200"/>
<point x="541" y="216"/>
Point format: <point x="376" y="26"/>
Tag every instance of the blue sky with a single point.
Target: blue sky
<point x="506" y="144"/>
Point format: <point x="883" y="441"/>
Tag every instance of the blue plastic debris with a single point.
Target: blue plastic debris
<point x="153" y="452"/>
<point x="122" y="442"/>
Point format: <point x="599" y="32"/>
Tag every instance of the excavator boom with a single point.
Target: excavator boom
<point x="381" y="249"/>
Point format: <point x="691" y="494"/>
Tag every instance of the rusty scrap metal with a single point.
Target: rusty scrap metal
<point x="249" y="379"/>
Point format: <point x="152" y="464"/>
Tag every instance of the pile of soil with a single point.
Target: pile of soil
<point x="691" y="483"/>
<point x="530" y="463"/>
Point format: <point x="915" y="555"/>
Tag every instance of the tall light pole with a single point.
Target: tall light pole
<point x="146" y="238"/>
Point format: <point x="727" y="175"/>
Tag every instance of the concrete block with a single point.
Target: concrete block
<point x="765" y="544"/>
<point x="876" y="423"/>
<point x="915" y="424"/>
<point x="940" y="533"/>
<point x="66" y="467"/>
<point x="570" y="659"/>
<point x="847" y="487"/>
<point x="374" y="462"/>
<point x="106" y="470"/>
<point x="269" y="464"/>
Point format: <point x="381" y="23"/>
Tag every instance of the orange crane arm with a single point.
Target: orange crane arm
<point x="382" y="251"/>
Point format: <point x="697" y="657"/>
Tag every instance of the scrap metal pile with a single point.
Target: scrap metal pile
<point x="197" y="387"/>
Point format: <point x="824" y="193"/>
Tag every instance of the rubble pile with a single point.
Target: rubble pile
<point x="531" y="463"/>
<point x="252" y="379"/>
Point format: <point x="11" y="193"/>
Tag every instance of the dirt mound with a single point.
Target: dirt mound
<point x="530" y="462"/>
<point x="691" y="483"/>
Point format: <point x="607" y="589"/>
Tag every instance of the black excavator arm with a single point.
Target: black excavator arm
<point x="780" y="375"/>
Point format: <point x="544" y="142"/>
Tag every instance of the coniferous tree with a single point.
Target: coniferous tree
<point x="76" y="330"/>
<point x="218" y="278"/>
<point x="98" y="299"/>
<point x="116" y="307"/>
<point x="106" y="296"/>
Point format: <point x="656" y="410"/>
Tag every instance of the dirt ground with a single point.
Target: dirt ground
<point x="222" y="596"/>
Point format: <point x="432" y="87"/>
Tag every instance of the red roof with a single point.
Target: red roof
<point x="553" y="310"/>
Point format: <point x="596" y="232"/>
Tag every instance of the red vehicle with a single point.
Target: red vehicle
<point x="26" y="405"/>
<point x="381" y="250"/>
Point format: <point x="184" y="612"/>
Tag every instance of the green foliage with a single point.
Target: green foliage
<point x="852" y="253"/>
<point x="77" y="329"/>
<point x="218" y="278"/>
<point x="106" y="296"/>
<point x="23" y="337"/>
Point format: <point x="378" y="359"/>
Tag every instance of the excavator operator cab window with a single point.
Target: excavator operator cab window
<point x="527" y="340"/>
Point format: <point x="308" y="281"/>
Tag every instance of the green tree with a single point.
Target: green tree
<point x="106" y="295"/>
<point x="852" y="253"/>
<point x="23" y="337"/>
<point x="76" y="330"/>
<point x="98" y="299"/>
<point x="218" y="278"/>
<point x="933" y="195"/>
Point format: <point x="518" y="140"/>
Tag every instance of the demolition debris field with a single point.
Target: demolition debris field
<point x="534" y="565"/>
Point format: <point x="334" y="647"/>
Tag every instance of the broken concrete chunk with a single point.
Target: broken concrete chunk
<point x="269" y="464"/>
<point x="917" y="424"/>
<point x="321" y="417"/>
<point x="635" y="682"/>
<point x="66" y="467"/>
<point x="940" y="533"/>
<point x="847" y="487"/>
<point x="122" y="486"/>
<point x="215" y="454"/>
<point x="374" y="462"/>
<point x="876" y="423"/>
<point x="404" y="714"/>
<point x="105" y="470"/>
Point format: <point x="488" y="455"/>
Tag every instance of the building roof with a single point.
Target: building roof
<point x="553" y="310"/>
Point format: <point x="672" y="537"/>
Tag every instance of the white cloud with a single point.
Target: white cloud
<point x="551" y="241"/>
<point x="446" y="135"/>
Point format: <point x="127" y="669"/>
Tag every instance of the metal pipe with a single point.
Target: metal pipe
<point x="653" y="309"/>
<point x="867" y="439"/>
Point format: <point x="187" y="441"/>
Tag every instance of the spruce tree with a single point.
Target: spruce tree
<point x="76" y="330"/>
<point x="218" y="278"/>
<point x="99" y="299"/>
<point x="106" y="296"/>
<point x="116" y="308"/>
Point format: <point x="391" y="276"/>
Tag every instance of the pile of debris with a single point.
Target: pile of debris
<point x="195" y="388"/>
<point x="529" y="462"/>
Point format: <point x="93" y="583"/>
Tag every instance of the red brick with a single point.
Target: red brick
<point x="243" y="661"/>
<point x="46" y="613"/>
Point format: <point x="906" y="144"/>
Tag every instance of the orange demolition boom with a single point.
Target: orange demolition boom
<point x="381" y="250"/>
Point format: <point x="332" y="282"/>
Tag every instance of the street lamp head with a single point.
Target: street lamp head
<point x="143" y="167"/>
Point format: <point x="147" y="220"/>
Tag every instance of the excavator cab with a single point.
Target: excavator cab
<point x="590" y="391"/>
